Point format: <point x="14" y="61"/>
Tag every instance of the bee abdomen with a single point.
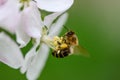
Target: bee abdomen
<point x="61" y="53"/>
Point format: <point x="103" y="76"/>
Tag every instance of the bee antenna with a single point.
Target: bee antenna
<point x="66" y="27"/>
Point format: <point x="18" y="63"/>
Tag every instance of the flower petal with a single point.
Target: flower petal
<point x="54" y="5"/>
<point x="9" y="15"/>
<point x="38" y="63"/>
<point x="50" y="18"/>
<point x="32" y="21"/>
<point x="57" y="26"/>
<point x="21" y="36"/>
<point x="29" y="57"/>
<point x="10" y="53"/>
<point x="2" y="2"/>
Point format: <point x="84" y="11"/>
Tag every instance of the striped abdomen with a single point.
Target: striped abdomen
<point x="61" y="53"/>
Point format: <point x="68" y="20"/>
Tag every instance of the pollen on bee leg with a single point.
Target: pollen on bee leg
<point x="55" y="43"/>
<point x="57" y="40"/>
<point x="63" y="45"/>
<point x="61" y="38"/>
<point x="57" y="47"/>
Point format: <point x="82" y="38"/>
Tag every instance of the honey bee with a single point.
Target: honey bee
<point x="68" y="45"/>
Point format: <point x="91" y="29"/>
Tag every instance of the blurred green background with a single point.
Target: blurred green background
<point x="97" y="24"/>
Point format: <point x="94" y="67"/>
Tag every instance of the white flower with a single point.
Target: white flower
<point x="10" y="53"/>
<point x="22" y="17"/>
<point x="35" y="59"/>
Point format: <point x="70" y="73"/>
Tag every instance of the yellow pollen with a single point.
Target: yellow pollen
<point x="57" y="47"/>
<point x="56" y="38"/>
<point x="55" y="43"/>
<point x="59" y="43"/>
<point x="63" y="45"/>
<point x="61" y="38"/>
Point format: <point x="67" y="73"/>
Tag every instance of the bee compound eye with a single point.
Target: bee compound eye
<point x="70" y="33"/>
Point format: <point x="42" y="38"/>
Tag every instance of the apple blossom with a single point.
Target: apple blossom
<point x="10" y="53"/>
<point x="35" y="59"/>
<point x="22" y="17"/>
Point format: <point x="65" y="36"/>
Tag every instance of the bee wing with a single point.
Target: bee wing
<point x="79" y="50"/>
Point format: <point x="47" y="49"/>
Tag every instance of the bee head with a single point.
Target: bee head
<point x="70" y="33"/>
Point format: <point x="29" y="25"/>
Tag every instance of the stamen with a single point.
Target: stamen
<point x="47" y="40"/>
<point x="25" y="3"/>
<point x="44" y="30"/>
<point x="21" y="1"/>
<point x="56" y="43"/>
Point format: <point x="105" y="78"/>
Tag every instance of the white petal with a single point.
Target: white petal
<point x="54" y="5"/>
<point x="21" y="36"/>
<point x="38" y="63"/>
<point x="50" y="18"/>
<point x="9" y="15"/>
<point x="10" y="53"/>
<point x="32" y="21"/>
<point x="29" y="57"/>
<point x="56" y="27"/>
<point x="2" y="2"/>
